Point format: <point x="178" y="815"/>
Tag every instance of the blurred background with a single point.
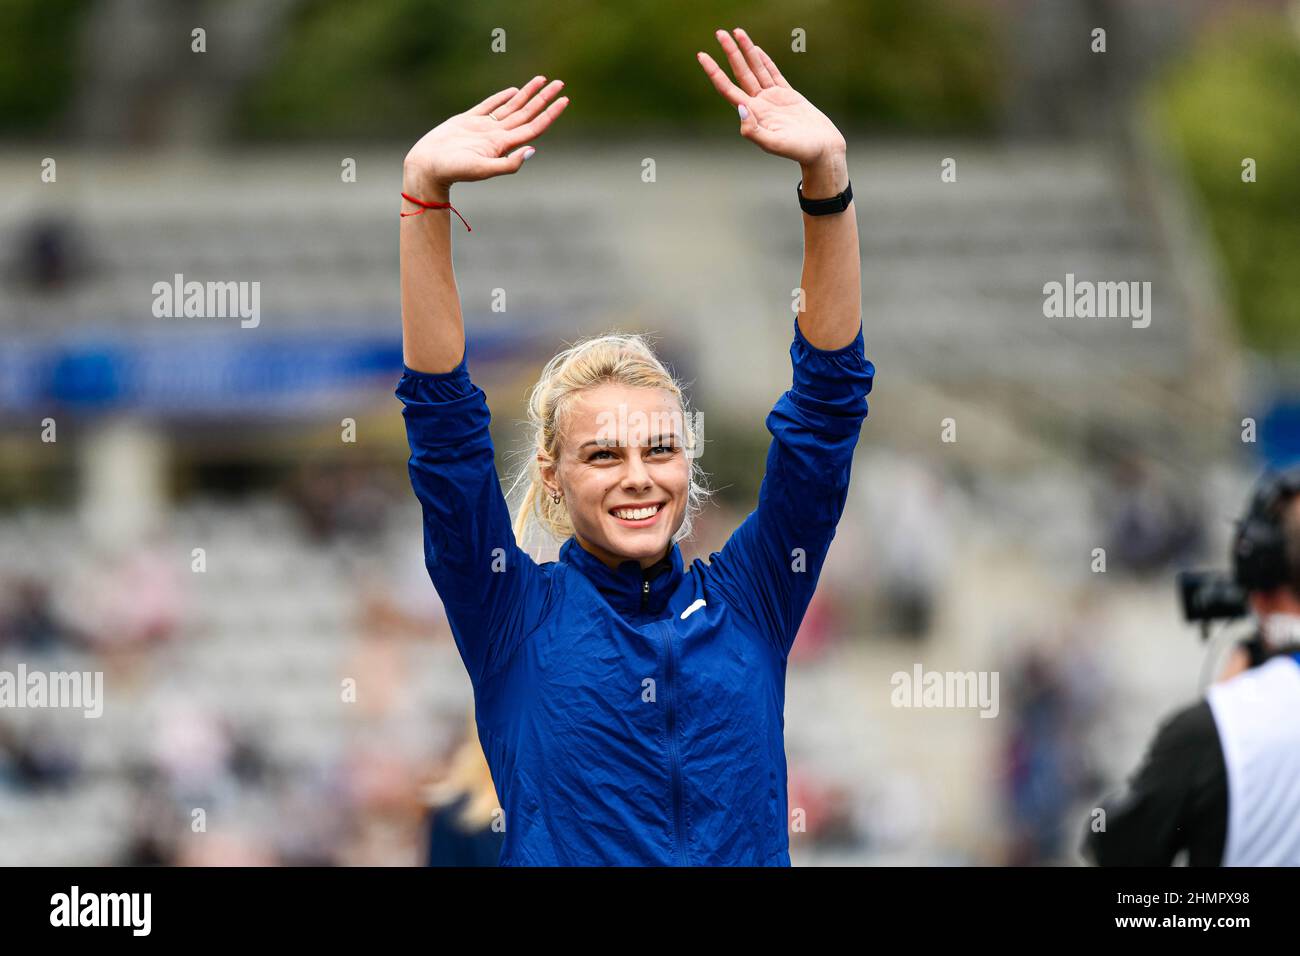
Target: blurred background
<point x="218" y="517"/>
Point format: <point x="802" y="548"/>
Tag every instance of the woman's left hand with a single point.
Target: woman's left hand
<point x="773" y="114"/>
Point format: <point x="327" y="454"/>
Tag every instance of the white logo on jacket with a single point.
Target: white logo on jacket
<point x="699" y="603"/>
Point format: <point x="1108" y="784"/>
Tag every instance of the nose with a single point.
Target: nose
<point x="636" y="477"/>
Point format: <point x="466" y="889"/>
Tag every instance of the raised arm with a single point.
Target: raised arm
<point x="491" y="589"/>
<point x="488" y="140"/>
<point x="782" y="122"/>
<point x="769" y="567"/>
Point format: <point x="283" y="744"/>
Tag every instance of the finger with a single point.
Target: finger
<point x="533" y="106"/>
<point x="750" y="129"/>
<point x="744" y="75"/>
<point x="506" y="165"/>
<point x="531" y="130"/>
<point x="493" y="101"/>
<point x="749" y="125"/>
<point x="755" y="61"/>
<point x="520" y="98"/>
<point x="772" y="70"/>
<point x="721" y="82"/>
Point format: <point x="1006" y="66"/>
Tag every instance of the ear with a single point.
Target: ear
<point x="547" y="468"/>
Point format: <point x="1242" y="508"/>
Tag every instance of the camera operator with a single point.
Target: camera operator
<point x="1221" y="779"/>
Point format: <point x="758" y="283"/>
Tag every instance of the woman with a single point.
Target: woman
<point x="631" y="710"/>
<point x="462" y="822"/>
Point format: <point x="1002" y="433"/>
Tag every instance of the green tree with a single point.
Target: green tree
<point x="1235" y="97"/>
<point x="38" y="62"/>
<point x="395" y="66"/>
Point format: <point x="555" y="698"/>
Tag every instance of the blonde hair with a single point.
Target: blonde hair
<point x="467" y="775"/>
<point x="620" y="358"/>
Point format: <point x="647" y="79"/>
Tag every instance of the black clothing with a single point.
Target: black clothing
<point x="1177" y="799"/>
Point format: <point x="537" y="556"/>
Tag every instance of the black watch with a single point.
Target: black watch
<point x="825" y="207"/>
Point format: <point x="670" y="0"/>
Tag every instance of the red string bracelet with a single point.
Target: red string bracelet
<point x="432" y="205"/>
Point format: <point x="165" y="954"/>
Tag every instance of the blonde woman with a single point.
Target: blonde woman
<point x="631" y="709"/>
<point x="461" y="826"/>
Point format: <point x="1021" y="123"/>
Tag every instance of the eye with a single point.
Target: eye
<point x="601" y="454"/>
<point x="663" y="450"/>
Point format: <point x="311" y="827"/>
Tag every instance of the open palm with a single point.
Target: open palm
<point x="488" y="139"/>
<point x="780" y="119"/>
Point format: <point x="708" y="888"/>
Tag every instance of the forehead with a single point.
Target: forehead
<point x="622" y="412"/>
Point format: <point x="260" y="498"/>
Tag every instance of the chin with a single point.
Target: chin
<point x="638" y="544"/>
<point x="639" y="548"/>
<point x="632" y="543"/>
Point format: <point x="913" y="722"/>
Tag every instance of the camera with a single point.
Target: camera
<point x="1211" y="596"/>
<point x="1261" y="560"/>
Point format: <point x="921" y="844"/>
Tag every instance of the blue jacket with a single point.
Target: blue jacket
<point x="631" y="719"/>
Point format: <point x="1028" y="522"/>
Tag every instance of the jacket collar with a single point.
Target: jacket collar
<point x="624" y="587"/>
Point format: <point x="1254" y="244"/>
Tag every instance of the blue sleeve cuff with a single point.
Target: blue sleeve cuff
<point x="831" y="375"/>
<point x="417" y="387"/>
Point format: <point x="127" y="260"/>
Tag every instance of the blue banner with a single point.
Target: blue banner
<point x="205" y="373"/>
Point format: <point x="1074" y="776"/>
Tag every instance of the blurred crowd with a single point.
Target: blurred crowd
<point x="206" y="778"/>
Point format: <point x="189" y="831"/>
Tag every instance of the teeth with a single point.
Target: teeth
<point x="636" y="514"/>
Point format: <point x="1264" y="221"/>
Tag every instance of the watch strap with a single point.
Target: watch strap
<point x="824" y="207"/>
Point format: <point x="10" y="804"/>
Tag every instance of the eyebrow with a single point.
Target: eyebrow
<point x="669" y="439"/>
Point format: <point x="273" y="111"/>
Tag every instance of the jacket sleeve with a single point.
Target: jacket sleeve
<point x="492" y="590"/>
<point x="768" y="569"/>
<point x="1177" y="799"/>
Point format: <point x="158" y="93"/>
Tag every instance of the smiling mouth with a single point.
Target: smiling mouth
<point x="638" y="516"/>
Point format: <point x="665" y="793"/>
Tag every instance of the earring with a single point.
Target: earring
<point x="555" y="497"/>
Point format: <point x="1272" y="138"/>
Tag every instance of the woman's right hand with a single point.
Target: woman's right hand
<point x="488" y="140"/>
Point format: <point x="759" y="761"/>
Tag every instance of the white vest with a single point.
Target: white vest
<point x="1258" y="717"/>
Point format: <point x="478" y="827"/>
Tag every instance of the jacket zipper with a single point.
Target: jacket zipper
<point x="674" y="758"/>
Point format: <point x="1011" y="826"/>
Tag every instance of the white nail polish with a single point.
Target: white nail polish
<point x="744" y="113"/>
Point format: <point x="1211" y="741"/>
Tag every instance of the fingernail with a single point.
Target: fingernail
<point x="744" y="113"/>
<point x="528" y="153"/>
